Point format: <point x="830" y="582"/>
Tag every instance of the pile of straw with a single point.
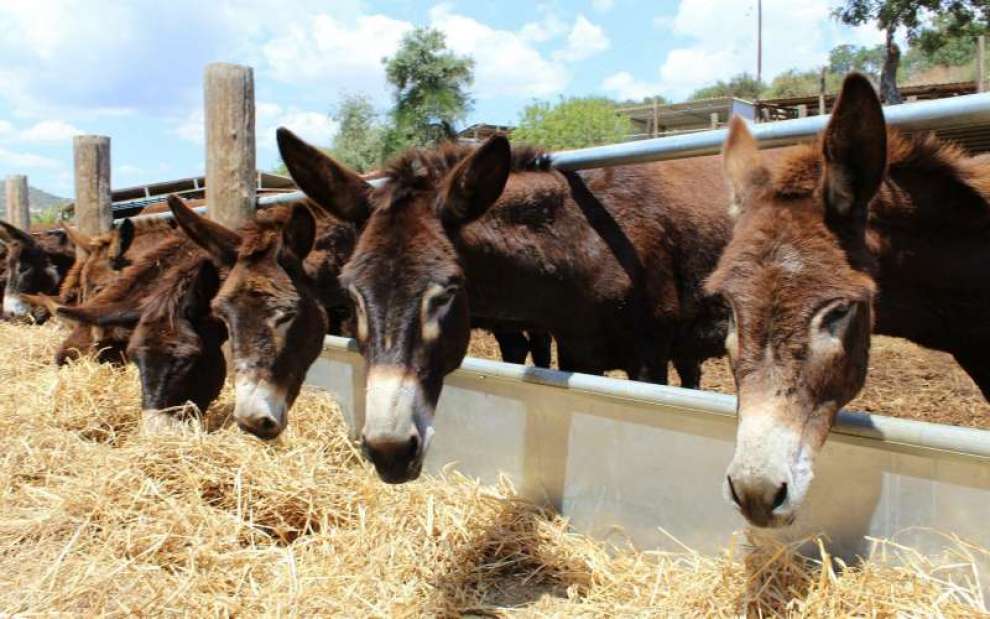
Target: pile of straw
<point x="96" y="518"/>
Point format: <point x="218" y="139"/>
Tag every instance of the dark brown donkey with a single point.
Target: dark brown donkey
<point x="609" y="261"/>
<point x="863" y="226"/>
<point x="35" y="264"/>
<point x="274" y="307"/>
<point x="102" y="258"/>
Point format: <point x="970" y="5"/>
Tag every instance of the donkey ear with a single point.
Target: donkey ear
<point x="299" y="231"/>
<point x="119" y="314"/>
<point x="205" y="285"/>
<point x="219" y="241"/>
<point x="123" y="236"/>
<point x="332" y="186"/>
<point x="82" y="242"/>
<point x="477" y="182"/>
<point x="13" y="234"/>
<point x="855" y="151"/>
<point x="742" y="163"/>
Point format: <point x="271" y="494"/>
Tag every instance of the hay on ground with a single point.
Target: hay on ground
<point x="98" y="519"/>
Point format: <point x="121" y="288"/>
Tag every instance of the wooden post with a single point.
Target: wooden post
<point x="230" y="151"/>
<point x="981" y="63"/>
<point x="18" y="209"/>
<point x="802" y="110"/>
<point x="91" y="154"/>
<point x="713" y="120"/>
<point x="821" y="93"/>
<point x="656" y="118"/>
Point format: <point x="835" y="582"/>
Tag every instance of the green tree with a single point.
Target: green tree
<point x="360" y="139"/>
<point x="963" y="18"/>
<point x="846" y="58"/>
<point x="572" y="123"/>
<point x="742" y="86"/>
<point x="429" y="85"/>
<point x="795" y="83"/>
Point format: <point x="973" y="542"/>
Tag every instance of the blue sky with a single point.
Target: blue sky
<point x="133" y="69"/>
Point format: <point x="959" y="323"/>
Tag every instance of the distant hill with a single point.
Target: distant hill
<point x="39" y="200"/>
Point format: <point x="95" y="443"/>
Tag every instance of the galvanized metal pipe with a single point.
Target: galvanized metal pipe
<point x="965" y="110"/>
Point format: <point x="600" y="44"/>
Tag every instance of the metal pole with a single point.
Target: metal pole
<point x="759" y="42"/>
<point x="18" y="210"/>
<point x="91" y="154"/>
<point x="230" y="150"/>
<point x="963" y="111"/>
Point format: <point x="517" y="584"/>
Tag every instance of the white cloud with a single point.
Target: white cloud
<point x="624" y="86"/>
<point x="191" y="127"/>
<point x="6" y="128"/>
<point x="49" y="131"/>
<point x="603" y="6"/>
<point x="313" y="127"/>
<point x="505" y="62"/>
<point x="796" y="33"/>
<point x="328" y="51"/>
<point x="550" y="26"/>
<point x="26" y="160"/>
<point x="584" y="40"/>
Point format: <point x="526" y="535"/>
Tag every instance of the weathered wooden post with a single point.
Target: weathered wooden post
<point x="18" y="210"/>
<point x="230" y="151"/>
<point x="91" y="154"/>
<point x="981" y="63"/>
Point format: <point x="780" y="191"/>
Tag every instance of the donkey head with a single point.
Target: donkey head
<point x="100" y="260"/>
<point x="796" y="277"/>
<point x="33" y="266"/>
<point x="406" y="282"/>
<point x="269" y="306"/>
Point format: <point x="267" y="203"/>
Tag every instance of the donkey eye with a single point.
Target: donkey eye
<point x="283" y="317"/>
<point x="444" y="298"/>
<point x="836" y="318"/>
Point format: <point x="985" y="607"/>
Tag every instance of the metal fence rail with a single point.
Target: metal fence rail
<point x="940" y="114"/>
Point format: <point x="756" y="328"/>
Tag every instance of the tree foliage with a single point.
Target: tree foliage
<point x="429" y="85"/>
<point x="572" y="123"/>
<point x="955" y="19"/>
<point x="742" y="86"/>
<point x="360" y="138"/>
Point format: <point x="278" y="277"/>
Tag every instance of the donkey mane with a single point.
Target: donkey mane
<point x="166" y="298"/>
<point x="421" y="169"/>
<point x="799" y="173"/>
<point x="104" y="240"/>
<point x="122" y="286"/>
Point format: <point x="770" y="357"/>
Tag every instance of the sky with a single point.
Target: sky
<point x="132" y="69"/>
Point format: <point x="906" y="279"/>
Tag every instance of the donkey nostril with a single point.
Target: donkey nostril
<point x="732" y="491"/>
<point x="781" y="496"/>
<point x="413" y="447"/>
<point x="267" y="424"/>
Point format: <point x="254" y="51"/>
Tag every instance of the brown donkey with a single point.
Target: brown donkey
<point x="862" y="226"/>
<point x="609" y="261"/>
<point x="35" y="264"/>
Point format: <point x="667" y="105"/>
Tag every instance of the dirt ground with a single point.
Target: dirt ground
<point x="905" y="381"/>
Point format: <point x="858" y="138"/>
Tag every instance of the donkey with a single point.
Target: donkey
<point x="101" y="258"/>
<point x="34" y="264"/>
<point x="865" y="226"/>
<point x="611" y="262"/>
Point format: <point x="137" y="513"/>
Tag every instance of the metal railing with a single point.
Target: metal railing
<point x="956" y="112"/>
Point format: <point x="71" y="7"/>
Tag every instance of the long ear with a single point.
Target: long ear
<point x="13" y="234"/>
<point x="219" y="241"/>
<point x="123" y="236"/>
<point x="299" y="232"/>
<point x="205" y="285"/>
<point x="742" y="163"/>
<point x="477" y="182"/>
<point x="111" y="314"/>
<point x="332" y="186"/>
<point x="82" y="242"/>
<point x="855" y="151"/>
